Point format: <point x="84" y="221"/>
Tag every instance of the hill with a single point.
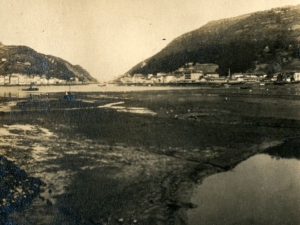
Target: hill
<point x="266" y="41"/>
<point x="24" y="60"/>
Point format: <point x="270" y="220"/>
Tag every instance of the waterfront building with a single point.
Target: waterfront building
<point x="28" y="79"/>
<point x="51" y="81"/>
<point x="1" y="80"/>
<point x="126" y="79"/>
<point x="31" y="79"/>
<point x="6" y="79"/>
<point x="37" y="79"/>
<point x="169" y="79"/>
<point x="237" y="75"/>
<point x="22" y="80"/>
<point x="14" y="79"/>
<point x="206" y="68"/>
<point x="160" y="77"/>
<point x="296" y="77"/>
<point x="44" y="81"/>
<point x="187" y="76"/>
<point x="138" y="78"/>
<point x="196" y="76"/>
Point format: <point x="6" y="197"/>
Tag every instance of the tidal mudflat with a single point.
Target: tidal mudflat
<point x="136" y="157"/>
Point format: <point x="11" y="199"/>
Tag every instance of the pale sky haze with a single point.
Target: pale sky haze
<point x="108" y="37"/>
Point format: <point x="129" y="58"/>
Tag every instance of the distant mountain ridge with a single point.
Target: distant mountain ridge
<point x="267" y="41"/>
<point x="26" y="61"/>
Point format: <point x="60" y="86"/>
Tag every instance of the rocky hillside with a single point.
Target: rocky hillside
<point x="267" y="41"/>
<point x="24" y="60"/>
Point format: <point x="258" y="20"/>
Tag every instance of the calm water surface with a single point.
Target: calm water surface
<point x="16" y="91"/>
<point x="262" y="190"/>
<point x="285" y="90"/>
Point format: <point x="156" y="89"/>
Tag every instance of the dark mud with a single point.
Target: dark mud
<point x="17" y="189"/>
<point x="101" y="165"/>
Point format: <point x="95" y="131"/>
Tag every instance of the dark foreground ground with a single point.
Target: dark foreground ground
<point x="137" y="164"/>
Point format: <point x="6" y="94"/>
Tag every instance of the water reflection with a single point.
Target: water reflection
<point x="284" y="90"/>
<point x="289" y="149"/>
<point x="261" y="190"/>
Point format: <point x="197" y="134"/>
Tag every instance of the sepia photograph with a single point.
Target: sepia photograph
<point x="158" y="112"/>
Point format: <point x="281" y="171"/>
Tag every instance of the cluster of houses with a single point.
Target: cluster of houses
<point x="22" y="79"/>
<point x="288" y="77"/>
<point x="192" y="73"/>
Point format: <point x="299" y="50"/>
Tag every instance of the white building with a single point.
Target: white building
<point x="295" y="77"/>
<point x="44" y="80"/>
<point x="37" y="79"/>
<point x="51" y="81"/>
<point x="14" y="80"/>
<point x="160" y="77"/>
<point x="22" y="79"/>
<point x="138" y="78"/>
<point x="6" y="79"/>
<point x="212" y="75"/>
<point x="169" y="78"/>
<point x="196" y="76"/>
<point x="2" y="80"/>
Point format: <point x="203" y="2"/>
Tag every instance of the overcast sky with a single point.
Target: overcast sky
<point x="108" y="37"/>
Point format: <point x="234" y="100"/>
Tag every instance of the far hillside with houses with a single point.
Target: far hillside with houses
<point x="21" y="65"/>
<point x="196" y="73"/>
<point x="22" y="79"/>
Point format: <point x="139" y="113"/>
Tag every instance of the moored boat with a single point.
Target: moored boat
<point x="30" y="89"/>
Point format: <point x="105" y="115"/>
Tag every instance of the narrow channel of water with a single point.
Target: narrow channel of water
<point x="265" y="189"/>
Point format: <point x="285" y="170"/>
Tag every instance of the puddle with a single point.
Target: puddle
<point x="88" y="101"/>
<point x="260" y="190"/>
<point x="138" y="110"/>
<point x="110" y="105"/>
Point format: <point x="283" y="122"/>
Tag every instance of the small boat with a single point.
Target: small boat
<point x="30" y="89"/>
<point x="69" y="96"/>
<point x="279" y="83"/>
<point x="245" y="87"/>
<point x="216" y="85"/>
<point x="102" y="84"/>
<point x="233" y="82"/>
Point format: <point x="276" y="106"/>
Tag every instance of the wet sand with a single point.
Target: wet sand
<point x="134" y="157"/>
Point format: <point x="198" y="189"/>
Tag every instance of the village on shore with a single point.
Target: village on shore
<point x="196" y="73"/>
<point x="22" y="79"/>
